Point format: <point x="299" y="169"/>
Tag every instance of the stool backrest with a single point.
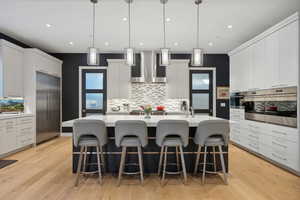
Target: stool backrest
<point x="172" y="128"/>
<point x="209" y="128"/>
<point x="137" y="128"/>
<point x="89" y="127"/>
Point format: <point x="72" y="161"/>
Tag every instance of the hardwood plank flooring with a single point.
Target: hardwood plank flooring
<point x="44" y="172"/>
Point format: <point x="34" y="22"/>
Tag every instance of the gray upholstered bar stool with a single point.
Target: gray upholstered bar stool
<point x="172" y="133"/>
<point x="211" y="133"/>
<point x="131" y="133"/>
<point x="89" y="133"/>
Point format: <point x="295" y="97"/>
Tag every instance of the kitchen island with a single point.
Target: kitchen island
<point x="151" y="151"/>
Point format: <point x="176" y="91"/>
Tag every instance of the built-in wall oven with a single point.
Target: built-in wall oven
<point x="275" y="106"/>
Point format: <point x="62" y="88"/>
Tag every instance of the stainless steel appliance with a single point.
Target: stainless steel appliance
<point x="47" y="107"/>
<point x="276" y="106"/>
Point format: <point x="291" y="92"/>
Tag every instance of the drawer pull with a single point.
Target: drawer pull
<point x="280" y="145"/>
<point x="276" y="156"/>
<point x="280" y="133"/>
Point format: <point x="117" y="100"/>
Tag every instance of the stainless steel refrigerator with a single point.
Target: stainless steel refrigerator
<point x="47" y="107"/>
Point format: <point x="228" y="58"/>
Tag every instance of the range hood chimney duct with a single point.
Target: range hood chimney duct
<point x="148" y="69"/>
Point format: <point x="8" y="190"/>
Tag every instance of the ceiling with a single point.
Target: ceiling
<point x="26" y="21"/>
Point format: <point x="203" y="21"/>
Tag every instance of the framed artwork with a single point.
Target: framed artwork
<point x="222" y="92"/>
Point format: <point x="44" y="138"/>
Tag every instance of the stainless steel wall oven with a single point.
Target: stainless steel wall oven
<point x="276" y="106"/>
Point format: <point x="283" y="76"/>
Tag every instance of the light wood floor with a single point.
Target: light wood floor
<point x="45" y="173"/>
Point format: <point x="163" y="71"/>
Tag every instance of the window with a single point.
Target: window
<point x="201" y="91"/>
<point x="93" y="91"/>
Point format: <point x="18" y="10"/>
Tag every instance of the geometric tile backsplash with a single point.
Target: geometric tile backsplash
<point x="153" y="94"/>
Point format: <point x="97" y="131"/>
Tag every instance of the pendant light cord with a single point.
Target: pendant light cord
<point x="129" y="24"/>
<point x="198" y="21"/>
<point x="164" y="23"/>
<point x="94" y="10"/>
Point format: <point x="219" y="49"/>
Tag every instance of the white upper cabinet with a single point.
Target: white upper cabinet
<point x="270" y="60"/>
<point x="178" y="80"/>
<point x="118" y="80"/>
<point x="11" y="70"/>
<point x="259" y="73"/>
<point x="288" y="54"/>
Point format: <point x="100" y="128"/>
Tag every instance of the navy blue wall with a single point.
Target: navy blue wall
<point x="70" y="71"/>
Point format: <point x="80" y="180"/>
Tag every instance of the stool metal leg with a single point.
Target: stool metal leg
<point x="165" y="165"/>
<point x="160" y="160"/>
<point x="122" y="163"/>
<point x="204" y="164"/>
<point x="85" y="158"/>
<point x="141" y="164"/>
<point x="102" y="159"/>
<point x="177" y="159"/>
<point x="223" y="164"/>
<point x="214" y="157"/>
<point x="99" y="165"/>
<point x="79" y="166"/>
<point x="183" y="164"/>
<point x="197" y="160"/>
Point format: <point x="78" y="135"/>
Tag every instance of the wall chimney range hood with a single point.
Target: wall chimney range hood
<point x="148" y="69"/>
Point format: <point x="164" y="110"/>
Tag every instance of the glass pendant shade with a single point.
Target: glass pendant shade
<point x="197" y="57"/>
<point x="92" y="56"/>
<point x="164" y="57"/>
<point x="130" y="56"/>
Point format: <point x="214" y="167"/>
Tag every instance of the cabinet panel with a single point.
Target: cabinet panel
<point x="288" y="54"/>
<point x="178" y="80"/>
<point x="11" y="58"/>
<point x="259" y="62"/>
<point x="272" y="60"/>
<point x="10" y="135"/>
<point x="118" y="81"/>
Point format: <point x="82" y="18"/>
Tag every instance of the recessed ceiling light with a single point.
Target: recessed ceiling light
<point x="141" y="43"/>
<point x="210" y="44"/>
<point x="168" y="19"/>
<point x="106" y="43"/>
<point x="48" y="25"/>
<point x="71" y="43"/>
<point x="229" y="26"/>
<point x="124" y="19"/>
<point x="175" y="43"/>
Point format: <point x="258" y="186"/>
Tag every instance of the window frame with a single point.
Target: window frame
<point x="85" y="91"/>
<point x="202" y="91"/>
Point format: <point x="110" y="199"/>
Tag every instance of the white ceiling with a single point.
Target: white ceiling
<point x="71" y="21"/>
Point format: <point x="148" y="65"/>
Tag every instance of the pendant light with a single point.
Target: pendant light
<point x="92" y="55"/>
<point x="197" y="57"/>
<point x="129" y="52"/>
<point x="164" y="52"/>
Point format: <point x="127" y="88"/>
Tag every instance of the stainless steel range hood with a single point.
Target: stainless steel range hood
<point x="148" y="69"/>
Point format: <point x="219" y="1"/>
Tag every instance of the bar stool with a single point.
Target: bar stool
<point x="131" y="133"/>
<point x="211" y="133"/>
<point x="89" y="133"/>
<point x="172" y="133"/>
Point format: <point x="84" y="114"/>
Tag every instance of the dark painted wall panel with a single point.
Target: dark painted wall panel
<point x="71" y="62"/>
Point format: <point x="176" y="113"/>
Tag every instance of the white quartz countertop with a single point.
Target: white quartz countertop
<point x="110" y="120"/>
<point x="9" y="116"/>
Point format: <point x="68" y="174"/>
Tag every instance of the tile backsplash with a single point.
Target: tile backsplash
<point x="147" y="93"/>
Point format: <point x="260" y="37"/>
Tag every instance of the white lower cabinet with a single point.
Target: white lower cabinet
<point x="16" y="133"/>
<point x="277" y="143"/>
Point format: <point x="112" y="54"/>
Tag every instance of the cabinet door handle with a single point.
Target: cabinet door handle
<point x="276" y="156"/>
<point x="280" y="133"/>
<point x="280" y="145"/>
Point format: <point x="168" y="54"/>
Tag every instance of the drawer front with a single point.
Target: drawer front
<point x="284" y="133"/>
